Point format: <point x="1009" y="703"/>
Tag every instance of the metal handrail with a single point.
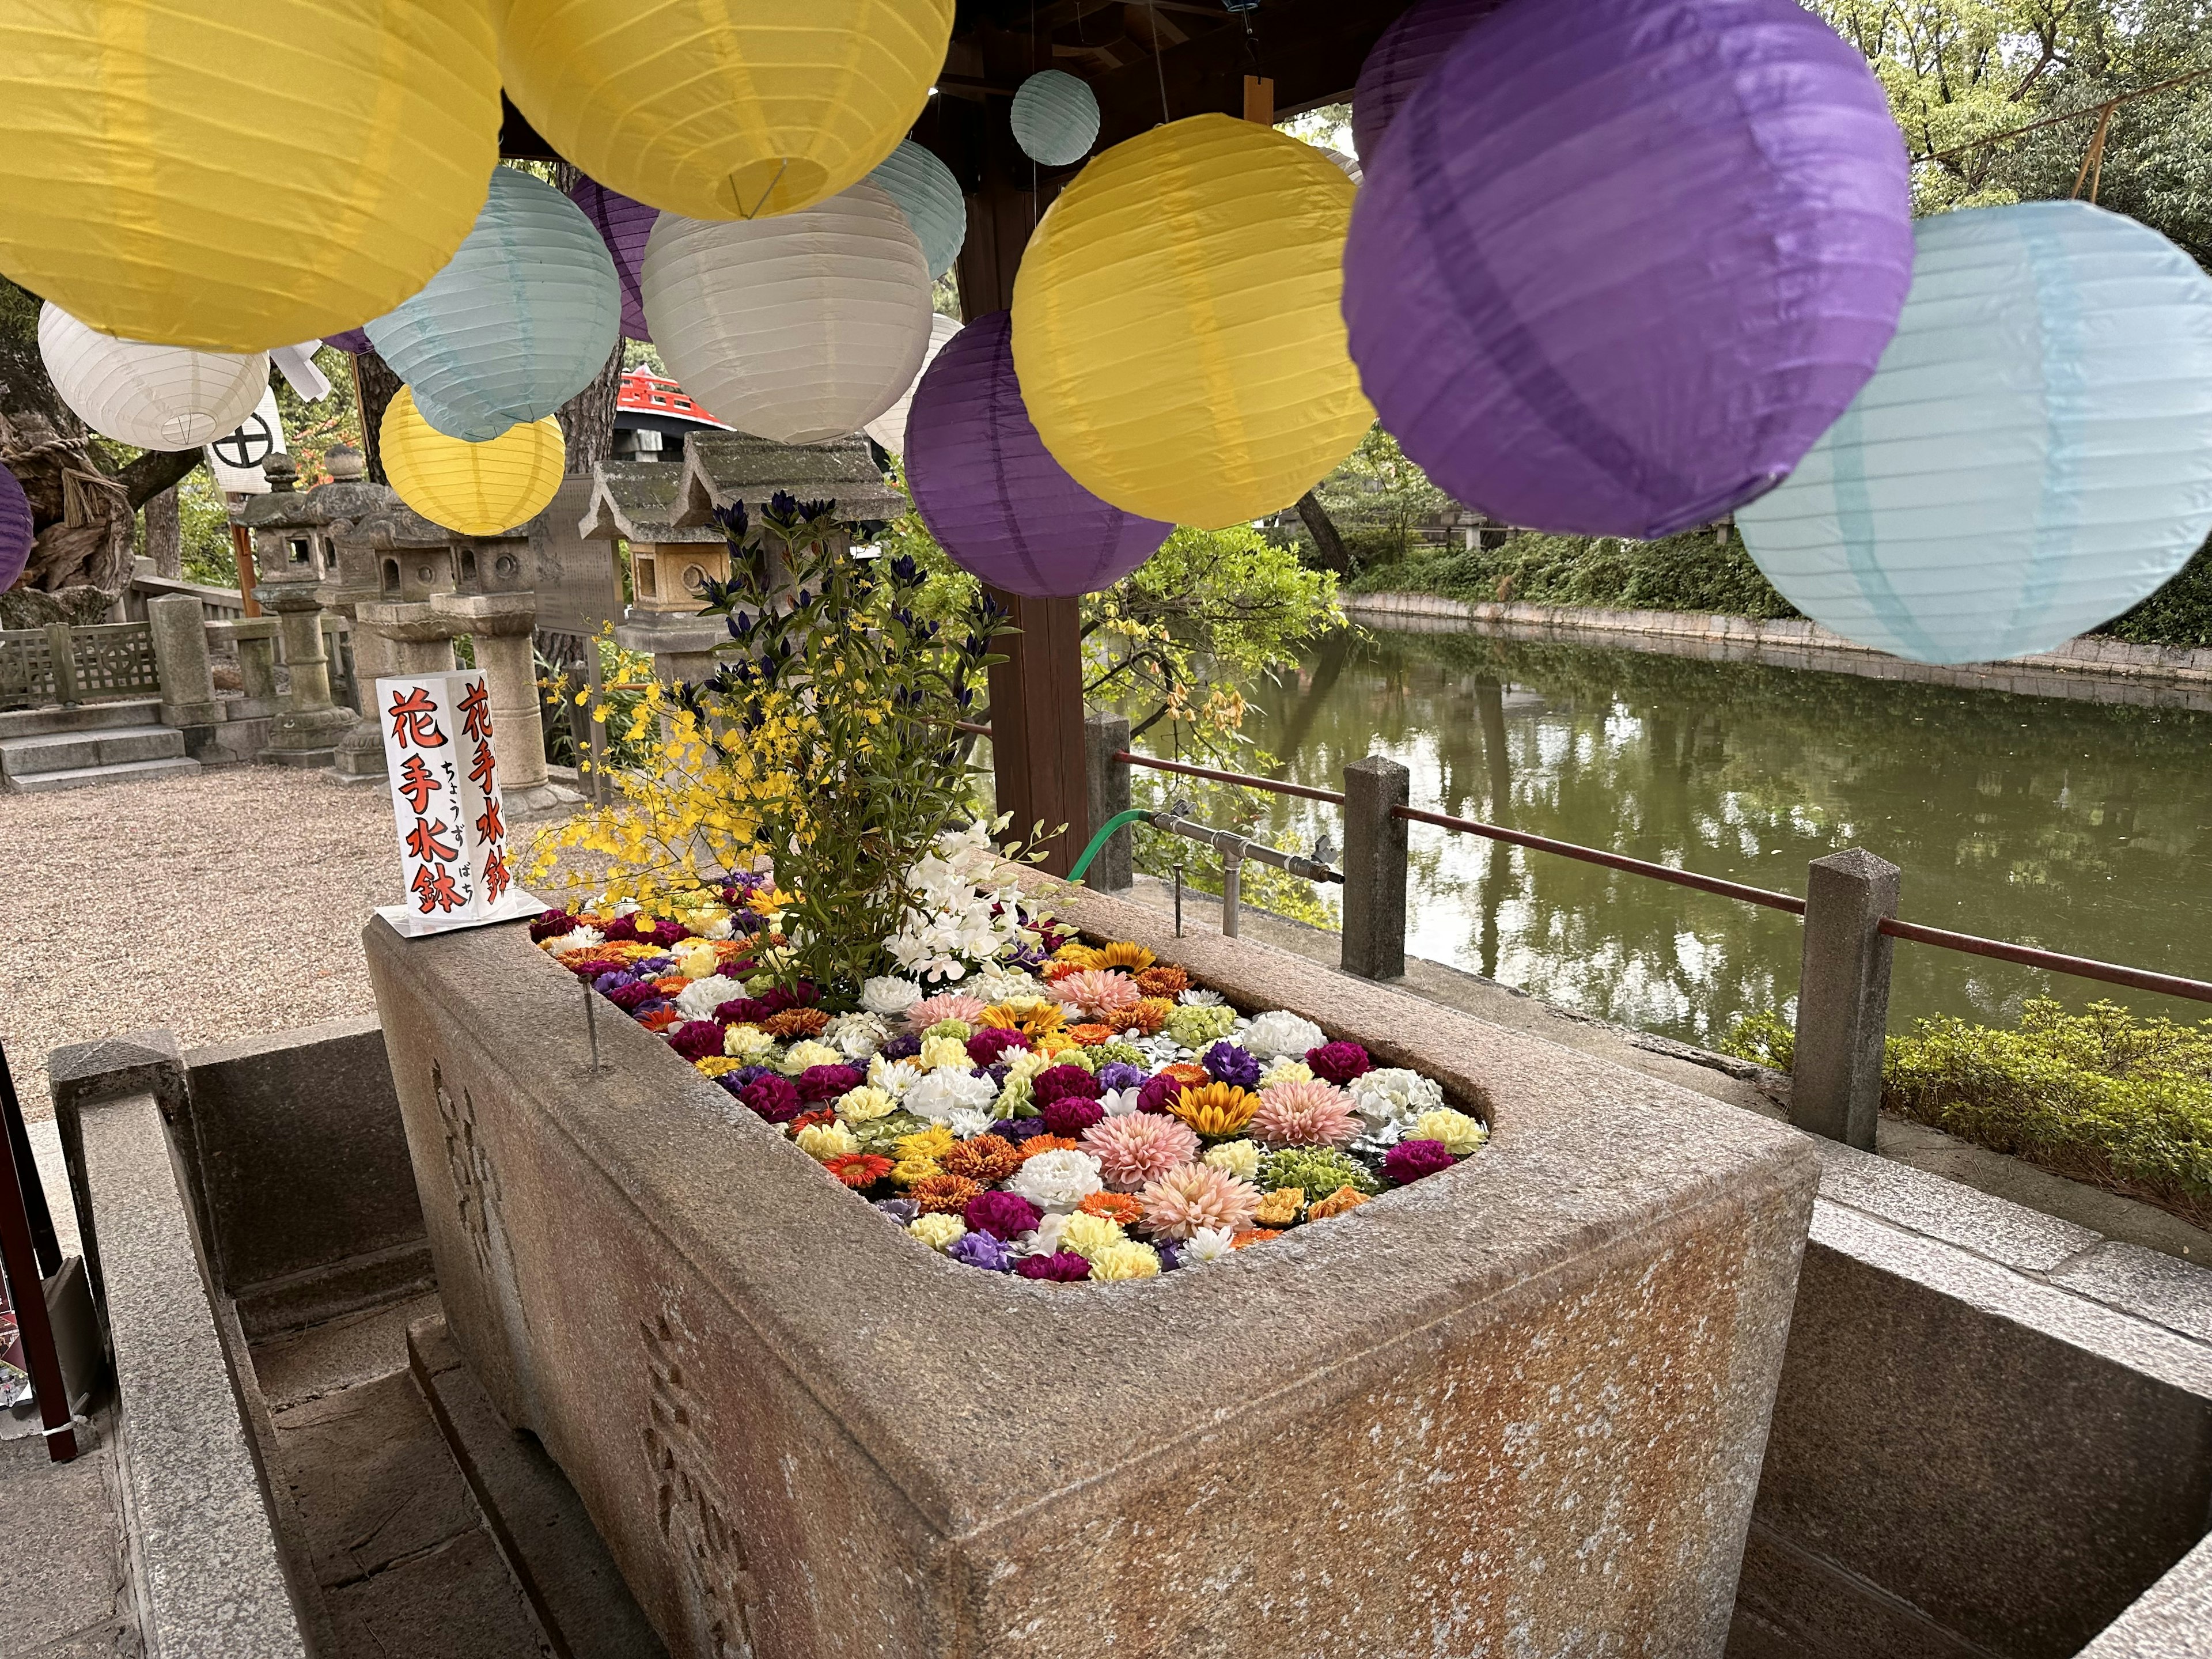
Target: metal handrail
<point x="2056" y="962"/>
<point x="1273" y="785"/>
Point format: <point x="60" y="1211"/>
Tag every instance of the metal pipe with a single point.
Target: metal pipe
<point x="1232" y="868"/>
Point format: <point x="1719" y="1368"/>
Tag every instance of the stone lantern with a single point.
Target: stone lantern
<point x="494" y="601"/>
<point x="391" y="562"/>
<point x="636" y="502"/>
<point x="291" y="555"/>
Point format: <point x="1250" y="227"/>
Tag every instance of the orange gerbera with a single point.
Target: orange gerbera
<point x="859" y="1170"/>
<point x="808" y="1120"/>
<point x="670" y="985"/>
<point x="1036" y="1143"/>
<point x="1057" y="971"/>
<point x="1188" y="1072"/>
<point x="660" y="1020"/>
<point x="1114" y="1206"/>
<point x="1090" y="1034"/>
<point x="943" y="1194"/>
<point x="1216" y="1111"/>
<point x="1251" y="1235"/>
<point x="1164" y="981"/>
<point x="795" y="1023"/>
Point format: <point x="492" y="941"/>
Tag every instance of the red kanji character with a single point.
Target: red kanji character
<point x="476" y="713"/>
<point x="496" y="878"/>
<point x="489" y="825"/>
<point x="434" y="884"/>
<point x="423" y="842"/>
<point x="481" y="766"/>
<point x="412" y="720"/>
<point x="416" y="785"/>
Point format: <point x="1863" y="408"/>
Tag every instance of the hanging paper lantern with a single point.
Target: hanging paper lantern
<point x="521" y="319"/>
<point x="930" y="197"/>
<point x="1348" y="165"/>
<point x="1056" y="119"/>
<point x="889" y="429"/>
<point x="798" y="328"/>
<point x="175" y="177"/>
<point x="624" y="225"/>
<point x="155" y="397"/>
<point x="1633" y="307"/>
<point x="991" y="493"/>
<point x="351" y="341"/>
<point x="2034" y="455"/>
<point x="15" y="530"/>
<point x="1176" y="322"/>
<point x="724" y="109"/>
<point x="1412" y="46"/>
<point x="478" y="489"/>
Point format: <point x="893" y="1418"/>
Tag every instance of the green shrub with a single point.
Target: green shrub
<point x="1691" y="571"/>
<point x="2179" y="613"/>
<point x="1764" y="1038"/>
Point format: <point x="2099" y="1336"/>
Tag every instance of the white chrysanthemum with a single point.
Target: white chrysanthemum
<point x="944" y="1092"/>
<point x="1057" y="1182"/>
<point x="1282" y="1035"/>
<point x="1393" y="1096"/>
<point x="968" y="1122"/>
<point x="1206" y="1244"/>
<point x="747" y="1043"/>
<point x="1046" y="1240"/>
<point x="709" y="923"/>
<point x="1120" y="1102"/>
<point x="893" y="1077"/>
<point x="800" y="1055"/>
<point x="1201" y="999"/>
<point x="889" y="994"/>
<point x="856" y="1037"/>
<point x="699" y="1000"/>
<point x="578" y="939"/>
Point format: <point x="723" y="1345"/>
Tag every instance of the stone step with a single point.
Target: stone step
<point x="76" y="752"/>
<point x="84" y="717"/>
<point x="37" y="783"/>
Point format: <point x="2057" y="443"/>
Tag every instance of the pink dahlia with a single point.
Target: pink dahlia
<point x="1197" y="1195"/>
<point x="953" y="1005"/>
<point x="1138" y="1148"/>
<point x="1097" y="991"/>
<point x="1304" y="1114"/>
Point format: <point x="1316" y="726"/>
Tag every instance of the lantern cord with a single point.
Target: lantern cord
<point x="2105" y="108"/>
<point x="1158" y="67"/>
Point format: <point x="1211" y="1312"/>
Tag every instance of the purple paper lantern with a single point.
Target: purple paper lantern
<point x="1401" y="60"/>
<point x="991" y="493"/>
<point x="1630" y="304"/>
<point x="353" y="342"/>
<point x="623" y="224"/>
<point x="15" y="529"/>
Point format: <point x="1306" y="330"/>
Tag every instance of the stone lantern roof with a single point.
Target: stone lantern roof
<point x="641" y="502"/>
<point x="722" y="467"/>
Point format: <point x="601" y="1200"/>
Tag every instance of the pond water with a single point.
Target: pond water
<point x="2075" y="826"/>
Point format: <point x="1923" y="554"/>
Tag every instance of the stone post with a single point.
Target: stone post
<point x="181" y="655"/>
<point x="502" y="625"/>
<point x="256" y="665"/>
<point x="1107" y="782"/>
<point x="1843" y="997"/>
<point x="1375" y="868"/>
<point x="61" y="655"/>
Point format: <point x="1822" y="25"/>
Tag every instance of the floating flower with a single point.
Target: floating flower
<point x="1206" y="1244"/>
<point x="1280" y="1034"/>
<point x="1251" y="1235"/>
<point x="1119" y="1103"/>
<point x="1201" y="999"/>
<point x="921" y="1016"/>
<point x="772" y="1097"/>
<point x="968" y="1122"/>
<point x="1459" y="1133"/>
<point x="1304" y="1114"/>
<point x="1286" y="1071"/>
<point x="856" y="1037"/>
<point x="985" y="1047"/>
<point x="982" y="1250"/>
<point x="1195" y="1027"/>
<point x="1394" y="1096"/>
<point x="1114" y="1206"/>
<point x="1090" y="1034"/>
<point x="1063" y="1267"/>
<point x="1096" y="992"/>
<point x="1238" y="1158"/>
<point x="938" y="1051"/>
<point x="813" y="1116"/>
<point x="960" y="1029"/>
<point x="1034" y="1016"/>
<point x="1129" y="1259"/>
<point x="715" y="1066"/>
<point x="1412" y="1160"/>
<point x="795" y="1022"/>
<point x="661" y="1017"/>
<point x="944" y="1195"/>
<point x="1216" y="1111"/>
<point x="901" y="1210"/>
<point x="893" y="1076"/>
<point x="824" y="1141"/>
<point x="1280" y="1207"/>
<point x="696" y="961"/>
<point x="821" y="1082"/>
<point x="1316" y="1168"/>
<point x="1054" y="1082"/>
<point x="1042" y="1140"/>
<point x="931" y="1142"/>
<point x="1147" y="1018"/>
<point x="696" y="1040"/>
<point x="909" y="1170"/>
<point x="1164" y="981"/>
<point x="863" y="1105"/>
<point x="888" y="995"/>
<point x="801" y="1055"/>
<point x="747" y="1041"/>
<point x="1339" y="1062"/>
<point x="1087" y="1235"/>
<point x="986" y="1159"/>
<point x="859" y="1170"/>
<point x="582" y="939"/>
<point x="1059" y="1180"/>
<point x="1228" y="1062"/>
<point x="1141" y="1147"/>
<point x="938" y="1230"/>
<point x="944" y="1092"/>
<point x="1071" y="1115"/>
<point x="1343" y="1199"/>
<point x="1004" y="1215"/>
<point x="1195" y="1195"/>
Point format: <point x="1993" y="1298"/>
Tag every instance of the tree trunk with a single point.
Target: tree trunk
<point x="588" y="420"/>
<point x="165" y="534"/>
<point x="379" y="386"/>
<point x="1328" y="546"/>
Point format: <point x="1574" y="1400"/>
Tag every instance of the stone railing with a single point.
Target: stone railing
<point x="217" y="603"/>
<point x="70" y="665"/>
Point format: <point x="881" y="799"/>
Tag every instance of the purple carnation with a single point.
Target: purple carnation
<point x="1231" y="1063"/>
<point x="985" y="1047"/>
<point x="1071" y="1115"/>
<point x="1018" y="1129"/>
<point x="1155" y="1095"/>
<point x="772" y="1097"/>
<point x="748" y="1074"/>
<point x="1003" y="1215"/>
<point x="1339" y="1062"/>
<point x="653" y="965"/>
<point x="1170" y="1257"/>
<point x="1117" y="1074"/>
<point x="1055" y="1082"/>
<point x="695" y="1039"/>
<point x="1409" y="1160"/>
<point x="1063" y="1267"/>
<point x="551" y="924"/>
<point x="901" y="1210"/>
<point x="613" y="981"/>
<point x="981" y="1251"/>
<point x="998" y="1073"/>
<point x="820" y="1083"/>
<point x="905" y="1045"/>
<point x="646" y="1010"/>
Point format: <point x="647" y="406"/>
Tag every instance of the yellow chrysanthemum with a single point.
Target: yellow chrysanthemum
<point x="1126" y="1260"/>
<point x="1238" y="1158"/>
<point x="864" y="1104"/>
<point x="943" y="1051"/>
<point x="716" y="1065"/>
<point x="824" y="1141"/>
<point x="939" y="1232"/>
<point x="907" y="1171"/>
<point x="1088" y="1235"/>
<point x="1460" y="1132"/>
<point x="1216" y="1111"/>
<point x="932" y="1143"/>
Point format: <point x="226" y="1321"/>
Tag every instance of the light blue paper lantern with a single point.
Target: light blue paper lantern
<point x="929" y="196"/>
<point x="523" y="317"/>
<point x="2033" y="455"/>
<point x="1056" y="119"/>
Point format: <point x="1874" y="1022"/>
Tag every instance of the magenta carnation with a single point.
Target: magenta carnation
<point x="1159" y="1094"/>
<point x="1071" y="1115"/>
<point x="1063" y="1266"/>
<point x="772" y="1097"/>
<point x="988" y="1045"/>
<point x="1409" y="1160"/>
<point x="1057" y="1082"/>
<point x="821" y="1082"/>
<point x="1003" y="1215"/>
<point x="627" y="996"/>
<point x="552" y="924"/>
<point x="1339" y="1062"/>
<point x="695" y="1039"/>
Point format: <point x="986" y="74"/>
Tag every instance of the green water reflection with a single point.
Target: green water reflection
<point x="2074" y="826"/>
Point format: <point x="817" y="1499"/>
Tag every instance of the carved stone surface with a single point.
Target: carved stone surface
<point x="1517" y="1408"/>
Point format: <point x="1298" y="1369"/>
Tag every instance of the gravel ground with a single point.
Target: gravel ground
<point x="218" y="906"/>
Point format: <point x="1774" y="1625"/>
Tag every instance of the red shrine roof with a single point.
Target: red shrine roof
<point x="656" y="394"/>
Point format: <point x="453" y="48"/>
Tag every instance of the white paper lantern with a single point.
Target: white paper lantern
<point x="154" y="397"/>
<point x="1055" y="117"/>
<point x="2033" y="455"/>
<point x="889" y="429"/>
<point x="798" y="328"/>
<point x="930" y="197"/>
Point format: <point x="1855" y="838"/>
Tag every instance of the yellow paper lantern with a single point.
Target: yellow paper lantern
<point x="478" y="489"/>
<point x="1176" y="329"/>
<point x="724" y="109"/>
<point x="240" y="179"/>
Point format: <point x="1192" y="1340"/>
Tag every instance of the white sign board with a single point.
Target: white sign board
<point x="446" y="804"/>
<point x="235" y="458"/>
